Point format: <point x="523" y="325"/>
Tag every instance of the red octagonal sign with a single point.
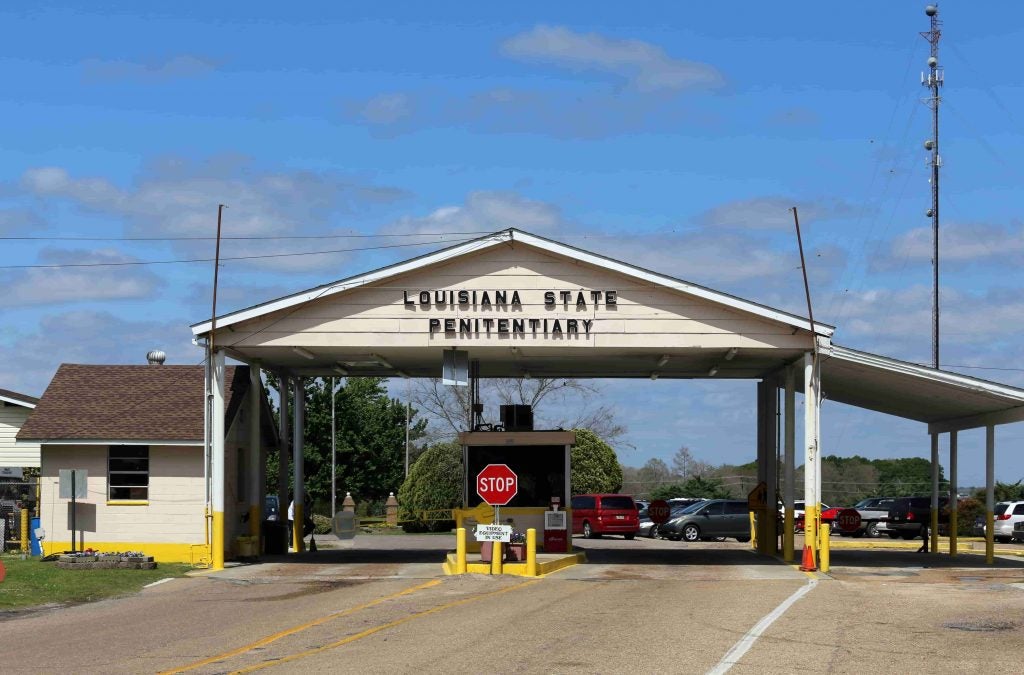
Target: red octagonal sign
<point x="497" y="484"/>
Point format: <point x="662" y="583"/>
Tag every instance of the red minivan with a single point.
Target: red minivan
<point x="594" y="515"/>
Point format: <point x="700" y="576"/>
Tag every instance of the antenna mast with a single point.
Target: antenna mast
<point x="933" y="81"/>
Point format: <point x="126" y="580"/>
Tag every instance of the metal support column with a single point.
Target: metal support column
<point x="217" y="462"/>
<point x="812" y="467"/>
<point x="990" y="493"/>
<point x="767" y="469"/>
<point x="283" y="444"/>
<point x="789" y="488"/>
<point x="954" y="503"/>
<point x="934" y="522"/>
<point x="298" y="424"/>
<point x="255" y="456"/>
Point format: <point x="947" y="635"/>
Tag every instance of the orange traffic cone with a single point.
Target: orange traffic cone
<point x="808" y="564"/>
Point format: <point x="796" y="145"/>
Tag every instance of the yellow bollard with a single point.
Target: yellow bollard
<point x="531" y="552"/>
<point x="753" y="530"/>
<point x="460" y="550"/>
<point x="787" y="537"/>
<point x="24" y="531"/>
<point x="823" y="539"/>
<point x="496" y="554"/>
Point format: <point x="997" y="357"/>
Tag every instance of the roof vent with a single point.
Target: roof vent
<point x="156" y="357"/>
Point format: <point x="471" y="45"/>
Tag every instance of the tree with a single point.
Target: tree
<point x="434" y="484"/>
<point x="448" y="406"/>
<point x="685" y="465"/>
<point x="595" y="467"/>
<point x="370" y="439"/>
<point x="709" y="488"/>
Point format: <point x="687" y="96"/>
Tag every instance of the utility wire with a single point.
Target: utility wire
<point x="249" y="238"/>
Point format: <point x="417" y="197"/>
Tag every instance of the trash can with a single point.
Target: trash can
<point x="275" y="537"/>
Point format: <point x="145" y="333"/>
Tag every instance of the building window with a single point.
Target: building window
<point x="128" y="472"/>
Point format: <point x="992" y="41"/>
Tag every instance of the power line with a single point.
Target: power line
<point x="249" y="238"/>
<point x="203" y="260"/>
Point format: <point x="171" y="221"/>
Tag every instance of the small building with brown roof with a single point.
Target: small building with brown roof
<point x="14" y="410"/>
<point x="138" y="432"/>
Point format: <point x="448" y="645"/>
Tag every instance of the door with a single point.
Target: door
<point x="737" y="519"/>
<point x="712" y="522"/>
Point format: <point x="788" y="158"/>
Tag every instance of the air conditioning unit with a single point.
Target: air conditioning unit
<point x="517" y="417"/>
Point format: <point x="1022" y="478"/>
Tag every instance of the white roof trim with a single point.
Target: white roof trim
<point x="24" y="404"/>
<point x="72" y="441"/>
<point x="944" y="377"/>
<point x="499" y="238"/>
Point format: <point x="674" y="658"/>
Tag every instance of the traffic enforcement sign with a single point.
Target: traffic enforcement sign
<point x="848" y="520"/>
<point x="658" y="511"/>
<point x="497" y="484"/>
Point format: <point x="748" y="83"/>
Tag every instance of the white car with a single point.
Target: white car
<point x="1007" y="514"/>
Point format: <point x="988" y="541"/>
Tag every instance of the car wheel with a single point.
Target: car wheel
<point x="587" y="532"/>
<point x="691" y="533"/>
<point x="629" y="536"/>
<point x="743" y="540"/>
<point x="871" y="530"/>
<point x="654" y="532"/>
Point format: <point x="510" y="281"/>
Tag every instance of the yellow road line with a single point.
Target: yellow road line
<point x="377" y="629"/>
<point x="295" y="629"/>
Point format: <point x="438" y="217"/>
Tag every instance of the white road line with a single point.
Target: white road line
<point x="733" y="656"/>
<point x="157" y="583"/>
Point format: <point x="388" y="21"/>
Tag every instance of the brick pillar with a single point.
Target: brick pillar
<point x="391" y="508"/>
<point x="349" y="504"/>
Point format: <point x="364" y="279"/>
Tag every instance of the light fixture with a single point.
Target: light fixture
<point x="340" y="370"/>
<point x="713" y="371"/>
<point x="663" y="360"/>
<point x="731" y="353"/>
<point x="382" y="361"/>
<point x="304" y="353"/>
<point x="654" y="376"/>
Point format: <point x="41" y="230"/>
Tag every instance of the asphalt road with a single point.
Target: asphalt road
<point x="382" y="605"/>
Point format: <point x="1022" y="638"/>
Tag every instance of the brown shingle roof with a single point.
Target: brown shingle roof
<point x="129" y="403"/>
<point x="15" y="396"/>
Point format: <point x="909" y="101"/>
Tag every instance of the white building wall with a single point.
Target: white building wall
<point x="12" y="417"/>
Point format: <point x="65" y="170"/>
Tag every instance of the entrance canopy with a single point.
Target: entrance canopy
<point x="526" y="306"/>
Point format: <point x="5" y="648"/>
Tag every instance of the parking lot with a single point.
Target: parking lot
<point x="381" y="604"/>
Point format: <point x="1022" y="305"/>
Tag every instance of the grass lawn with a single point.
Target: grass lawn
<point x="30" y="583"/>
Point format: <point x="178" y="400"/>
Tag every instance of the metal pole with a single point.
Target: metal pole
<point x="933" y="82"/>
<point x="935" y="494"/>
<point x="954" y="503"/>
<point x="334" y="456"/>
<point x="990" y="493"/>
<point x="788" y="462"/>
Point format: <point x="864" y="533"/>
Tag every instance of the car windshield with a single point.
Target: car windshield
<point x="618" y="503"/>
<point x="864" y="503"/>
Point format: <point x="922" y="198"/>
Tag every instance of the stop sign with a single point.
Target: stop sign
<point x="497" y="484"/>
<point x="658" y="511"/>
<point x="848" y="520"/>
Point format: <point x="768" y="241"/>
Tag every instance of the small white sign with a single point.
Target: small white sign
<point x="494" y="533"/>
<point x="554" y="520"/>
<point x="11" y="472"/>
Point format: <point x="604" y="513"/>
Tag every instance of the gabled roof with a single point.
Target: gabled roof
<point x="497" y="239"/>
<point x="145" y="404"/>
<point x="14" y="398"/>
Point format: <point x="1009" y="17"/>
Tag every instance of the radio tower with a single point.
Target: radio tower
<point x="933" y="81"/>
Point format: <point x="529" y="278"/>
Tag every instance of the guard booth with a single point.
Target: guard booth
<point x="540" y="459"/>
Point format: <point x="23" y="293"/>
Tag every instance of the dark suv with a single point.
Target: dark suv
<point x="908" y="515"/>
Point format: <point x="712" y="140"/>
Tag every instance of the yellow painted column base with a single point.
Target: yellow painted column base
<point x="953" y="527"/>
<point x="460" y="550"/>
<point x="787" y="536"/>
<point x="297" y="529"/>
<point x="496" y="555"/>
<point x="990" y="538"/>
<point x="217" y="542"/>
<point x="254" y="521"/>
<point x="935" y="530"/>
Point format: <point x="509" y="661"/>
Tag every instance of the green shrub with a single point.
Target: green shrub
<point x="321" y="524"/>
<point x="968" y="510"/>
<point x="595" y="467"/>
<point x="434" y="484"/>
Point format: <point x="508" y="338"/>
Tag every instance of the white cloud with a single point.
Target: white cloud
<point x="175" y="67"/>
<point x="77" y="284"/>
<point x="387" y="108"/>
<point x="179" y="199"/>
<point x="645" y="66"/>
<point x="960" y="243"/>
<point x="772" y="213"/>
<point x="28" y="360"/>
<point x="486" y="211"/>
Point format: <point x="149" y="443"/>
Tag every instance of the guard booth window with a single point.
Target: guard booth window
<point x="128" y="472"/>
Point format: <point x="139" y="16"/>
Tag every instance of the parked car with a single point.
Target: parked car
<point x="1007" y="515"/>
<point x="1018" y="531"/>
<point x="798" y="514"/>
<point x="594" y="515"/>
<point x="708" y="519"/>
<point x="908" y="515"/>
<point x="648" y="528"/>
<point x="873" y="514"/>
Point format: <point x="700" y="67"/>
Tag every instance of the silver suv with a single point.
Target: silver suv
<point x="1007" y="514"/>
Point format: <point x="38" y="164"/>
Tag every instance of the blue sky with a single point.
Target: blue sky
<point x="670" y="135"/>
